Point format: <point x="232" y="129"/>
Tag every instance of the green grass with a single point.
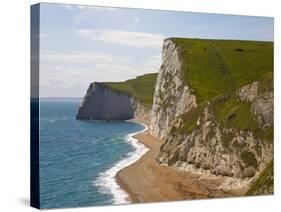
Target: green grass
<point x="264" y="134"/>
<point x="213" y="67"/>
<point x="190" y="120"/>
<point x="266" y="82"/>
<point x="232" y="113"/>
<point x="228" y="111"/>
<point x="265" y="179"/>
<point x="142" y="88"/>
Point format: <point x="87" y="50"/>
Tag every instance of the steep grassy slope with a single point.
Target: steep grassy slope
<point x="141" y="88"/>
<point x="230" y="112"/>
<point x="264" y="183"/>
<point x="213" y="67"/>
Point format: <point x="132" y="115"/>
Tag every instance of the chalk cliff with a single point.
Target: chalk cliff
<point x="172" y="97"/>
<point x="230" y="134"/>
<point x="219" y="146"/>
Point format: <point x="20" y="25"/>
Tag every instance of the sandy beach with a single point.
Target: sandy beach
<point x="147" y="181"/>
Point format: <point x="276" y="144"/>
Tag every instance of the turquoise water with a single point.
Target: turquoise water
<point x="79" y="159"/>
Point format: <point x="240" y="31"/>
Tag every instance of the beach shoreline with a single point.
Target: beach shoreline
<point x="147" y="181"/>
<point x="107" y="181"/>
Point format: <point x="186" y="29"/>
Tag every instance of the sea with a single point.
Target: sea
<point x="79" y="159"/>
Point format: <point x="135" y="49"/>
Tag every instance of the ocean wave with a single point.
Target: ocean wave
<point x="106" y="180"/>
<point x="52" y="120"/>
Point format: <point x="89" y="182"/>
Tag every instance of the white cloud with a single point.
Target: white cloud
<point x="43" y="35"/>
<point x="269" y="37"/>
<point x="81" y="57"/>
<point x="127" y="38"/>
<point x="85" y="13"/>
<point x="71" y="57"/>
<point x="154" y="62"/>
<point x="136" y="19"/>
<point x="84" y="7"/>
<point x="67" y="6"/>
<point x="73" y="81"/>
<point x="69" y="74"/>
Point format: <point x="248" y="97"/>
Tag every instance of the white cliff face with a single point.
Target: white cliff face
<point x="172" y="97"/>
<point x="142" y="114"/>
<point x="224" y="151"/>
<point x="262" y="106"/>
<point x="210" y="145"/>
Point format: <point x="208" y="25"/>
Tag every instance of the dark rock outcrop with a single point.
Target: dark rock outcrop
<point x="102" y="103"/>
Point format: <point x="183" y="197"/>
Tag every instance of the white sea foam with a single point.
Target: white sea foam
<point x="52" y="120"/>
<point x="106" y="180"/>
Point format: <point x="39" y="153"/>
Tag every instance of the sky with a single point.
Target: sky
<point x="82" y="44"/>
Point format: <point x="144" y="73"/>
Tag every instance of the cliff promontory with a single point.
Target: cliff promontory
<point x="131" y="99"/>
<point x="213" y="106"/>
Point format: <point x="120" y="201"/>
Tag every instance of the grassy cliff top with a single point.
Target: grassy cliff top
<point x="142" y="88"/>
<point x="213" y="67"/>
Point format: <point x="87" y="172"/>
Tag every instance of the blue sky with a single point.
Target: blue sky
<point x="81" y="44"/>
